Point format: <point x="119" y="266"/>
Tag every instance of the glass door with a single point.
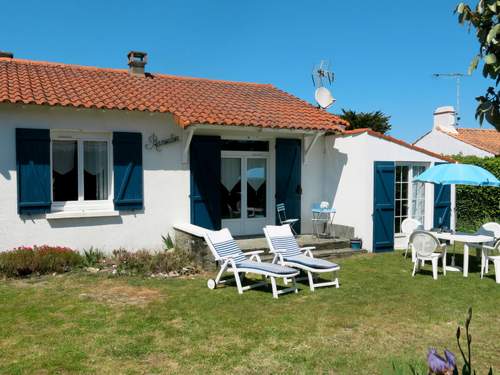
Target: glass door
<point x="244" y="192"/>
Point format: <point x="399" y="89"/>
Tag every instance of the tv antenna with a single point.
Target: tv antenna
<point x="322" y="76"/>
<point x="457" y="77"/>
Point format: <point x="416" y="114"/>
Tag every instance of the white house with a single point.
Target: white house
<point x="116" y="157"/>
<point x="447" y="139"/>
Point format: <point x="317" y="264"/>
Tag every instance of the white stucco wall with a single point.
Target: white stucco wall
<point x="349" y="181"/>
<point x="166" y="182"/>
<point x="338" y="170"/>
<point x="441" y="143"/>
<point x="166" y="179"/>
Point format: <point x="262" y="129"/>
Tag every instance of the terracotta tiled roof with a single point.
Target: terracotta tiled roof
<point x="190" y="100"/>
<point x="485" y="139"/>
<point x="397" y="141"/>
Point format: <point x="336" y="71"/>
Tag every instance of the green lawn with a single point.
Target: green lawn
<point x="82" y="323"/>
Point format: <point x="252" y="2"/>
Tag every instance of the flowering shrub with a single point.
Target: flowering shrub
<point x="25" y="260"/>
<point x="144" y="262"/>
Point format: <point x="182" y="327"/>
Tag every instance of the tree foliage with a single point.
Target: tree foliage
<point x="476" y="205"/>
<point x="484" y="19"/>
<point x="377" y="120"/>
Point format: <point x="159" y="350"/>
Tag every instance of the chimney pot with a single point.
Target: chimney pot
<point x="6" y="54"/>
<point x="136" y="62"/>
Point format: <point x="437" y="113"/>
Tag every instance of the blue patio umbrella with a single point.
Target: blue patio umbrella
<point x="458" y="174"/>
<point x="461" y="174"/>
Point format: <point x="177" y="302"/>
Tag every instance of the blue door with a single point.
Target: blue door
<point x="288" y="177"/>
<point x="383" y="206"/>
<point x="205" y="163"/>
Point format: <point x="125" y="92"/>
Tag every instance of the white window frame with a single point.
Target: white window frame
<point x="81" y="205"/>
<point x="410" y="166"/>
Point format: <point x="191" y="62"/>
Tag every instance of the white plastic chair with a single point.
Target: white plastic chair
<point x="229" y="255"/>
<point x="408" y="226"/>
<point x="287" y="252"/>
<point x="281" y="210"/>
<point x="424" y="246"/>
<point x="487" y="257"/>
<point x="488" y="229"/>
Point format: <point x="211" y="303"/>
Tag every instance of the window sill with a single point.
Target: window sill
<point x="81" y="214"/>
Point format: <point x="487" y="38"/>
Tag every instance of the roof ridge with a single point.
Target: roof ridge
<point x="52" y="63"/>
<point x="117" y="70"/>
<point x="392" y="139"/>
<point x="477" y="129"/>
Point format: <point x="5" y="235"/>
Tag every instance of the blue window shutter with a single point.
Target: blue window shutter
<point x="205" y="167"/>
<point x="127" y="171"/>
<point x="33" y="170"/>
<point x="383" y="206"/>
<point x="442" y="205"/>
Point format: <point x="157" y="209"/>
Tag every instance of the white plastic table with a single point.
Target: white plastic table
<point x="466" y="239"/>
<point x="322" y="216"/>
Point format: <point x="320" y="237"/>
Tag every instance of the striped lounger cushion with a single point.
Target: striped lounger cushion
<point x="266" y="267"/>
<point x="288" y="243"/>
<point x="311" y="262"/>
<point x="230" y="247"/>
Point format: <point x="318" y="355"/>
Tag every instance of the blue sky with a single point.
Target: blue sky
<point x="382" y="52"/>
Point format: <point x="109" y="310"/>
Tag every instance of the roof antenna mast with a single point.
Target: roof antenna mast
<point x="457" y="77"/>
<point x="323" y="76"/>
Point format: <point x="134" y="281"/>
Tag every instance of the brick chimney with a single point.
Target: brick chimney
<point x="136" y="63"/>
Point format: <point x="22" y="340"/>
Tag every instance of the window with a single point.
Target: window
<point x="256" y="187"/>
<point x="231" y="188"/>
<point x="80" y="168"/>
<point x="401" y="196"/>
<point x="418" y="195"/>
<point x="410" y="197"/>
<point x="95" y="167"/>
<point x="64" y="171"/>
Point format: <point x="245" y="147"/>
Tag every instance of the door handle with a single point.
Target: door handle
<point x="298" y="190"/>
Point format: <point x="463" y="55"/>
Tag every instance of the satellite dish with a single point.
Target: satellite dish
<point x="324" y="97"/>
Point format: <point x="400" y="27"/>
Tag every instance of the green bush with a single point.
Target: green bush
<point x="144" y="262"/>
<point x="93" y="257"/>
<point x="44" y="259"/>
<point x="476" y="205"/>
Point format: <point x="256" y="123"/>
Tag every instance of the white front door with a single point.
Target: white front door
<point x="245" y="199"/>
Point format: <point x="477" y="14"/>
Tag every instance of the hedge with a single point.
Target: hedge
<point x="477" y="205"/>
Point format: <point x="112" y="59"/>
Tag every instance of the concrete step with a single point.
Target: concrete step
<point x="328" y="254"/>
<point x="260" y="243"/>
<point x="326" y="248"/>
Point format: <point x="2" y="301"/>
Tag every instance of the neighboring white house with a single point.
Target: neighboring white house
<point x="447" y="139"/>
<point x="116" y="157"/>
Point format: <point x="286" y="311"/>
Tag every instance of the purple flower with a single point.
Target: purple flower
<point x="439" y="365"/>
<point x="450" y="358"/>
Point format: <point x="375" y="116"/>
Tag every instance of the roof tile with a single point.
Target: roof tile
<point x="485" y="139"/>
<point x="190" y="100"/>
